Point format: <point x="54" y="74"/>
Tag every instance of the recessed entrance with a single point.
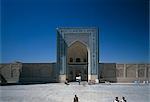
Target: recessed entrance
<point x="77" y="61"/>
<point x="77" y="53"/>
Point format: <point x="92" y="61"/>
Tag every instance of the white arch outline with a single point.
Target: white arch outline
<point x="79" y="42"/>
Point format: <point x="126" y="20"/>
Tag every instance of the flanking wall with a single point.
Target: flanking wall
<point x="10" y="72"/>
<point x="107" y="72"/>
<point x="133" y="72"/>
<point x="38" y="73"/>
<point x="28" y="73"/>
<point x="124" y="73"/>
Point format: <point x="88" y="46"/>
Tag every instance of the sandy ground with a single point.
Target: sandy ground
<point x="59" y="92"/>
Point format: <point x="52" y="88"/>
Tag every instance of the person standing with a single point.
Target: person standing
<point x="75" y="99"/>
<point x="123" y="99"/>
<point x="116" y="100"/>
<point x="79" y="78"/>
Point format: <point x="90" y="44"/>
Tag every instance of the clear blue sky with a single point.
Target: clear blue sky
<point x="28" y="28"/>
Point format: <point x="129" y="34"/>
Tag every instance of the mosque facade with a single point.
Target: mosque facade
<point x="77" y="54"/>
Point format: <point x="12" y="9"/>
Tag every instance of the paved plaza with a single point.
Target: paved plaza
<point x="59" y="92"/>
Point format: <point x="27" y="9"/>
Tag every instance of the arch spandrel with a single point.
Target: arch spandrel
<point x="77" y="41"/>
<point x="71" y="38"/>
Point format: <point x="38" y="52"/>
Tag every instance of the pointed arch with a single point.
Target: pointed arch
<point x="78" y="52"/>
<point x="77" y="59"/>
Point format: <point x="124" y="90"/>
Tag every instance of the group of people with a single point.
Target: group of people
<point x="116" y="99"/>
<point x="78" y="79"/>
<point x="122" y="100"/>
<point x="76" y="98"/>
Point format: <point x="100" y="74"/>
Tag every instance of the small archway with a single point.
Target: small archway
<point x="77" y="61"/>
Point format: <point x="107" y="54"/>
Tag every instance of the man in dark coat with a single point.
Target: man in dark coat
<point x="75" y="99"/>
